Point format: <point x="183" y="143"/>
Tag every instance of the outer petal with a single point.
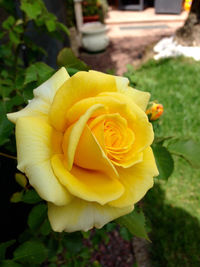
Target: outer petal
<point x="43" y="97"/>
<point x="137" y="180"/>
<point x="138" y="97"/>
<point x="42" y="178"/>
<point x="81" y="85"/>
<point x="86" y="184"/>
<point x="83" y="215"/>
<point x="33" y="136"/>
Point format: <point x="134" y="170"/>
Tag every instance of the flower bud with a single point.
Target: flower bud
<point x="155" y="111"/>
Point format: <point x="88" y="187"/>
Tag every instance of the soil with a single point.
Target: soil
<point x="189" y="34"/>
<point x="120" y="52"/>
<point x="116" y="253"/>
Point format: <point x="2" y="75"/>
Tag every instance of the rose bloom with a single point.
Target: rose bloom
<point x="84" y="144"/>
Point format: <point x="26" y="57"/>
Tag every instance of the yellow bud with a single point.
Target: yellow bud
<point x="155" y="111"/>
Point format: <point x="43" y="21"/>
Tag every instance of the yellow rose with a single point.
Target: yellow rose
<point x="84" y="143"/>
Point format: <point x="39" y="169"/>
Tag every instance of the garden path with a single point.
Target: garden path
<point x="130" y="33"/>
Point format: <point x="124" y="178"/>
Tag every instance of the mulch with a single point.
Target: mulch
<point x="116" y="253"/>
<point x="119" y="53"/>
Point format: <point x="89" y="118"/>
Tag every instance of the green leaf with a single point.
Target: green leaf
<point x="18" y="29"/>
<point x="14" y="101"/>
<point x="31" y="252"/>
<point x="67" y="59"/>
<point x="9" y="263"/>
<point x="30" y="74"/>
<point x="62" y="27"/>
<point x="14" y="37"/>
<point x="31" y="197"/>
<point x="71" y="71"/>
<point x="51" y="25"/>
<point x="188" y="149"/>
<point x="125" y="234"/>
<point x="32" y="10"/>
<point x="5" y="126"/>
<point x="37" y="216"/>
<point x="161" y="140"/>
<point x="45" y="229"/>
<point x="21" y="179"/>
<point x="164" y="161"/>
<point x="8" y="23"/>
<point x="39" y="72"/>
<point x="2" y="34"/>
<point x="16" y="197"/>
<point x="44" y="72"/>
<point x="3" y="248"/>
<point x="135" y="223"/>
<point x="73" y="242"/>
<point x="28" y="91"/>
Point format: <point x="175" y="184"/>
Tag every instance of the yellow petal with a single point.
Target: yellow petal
<point x="121" y="82"/>
<point x="141" y="98"/>
<point x="95" y="158"/>
<point x="81" y="85"/>
<point x="110" y="103"/>
<point x="138" y="97"/>
<point x="97" y="126"/>
<point x="122" y="152"/>
<point x="34" y="150"/>
<point x="137" y="180"/>
<point x="137" y="121"/>
<point x="48" y="89"/>
<point x="85" y="184"/>
<point x="43" y="97"/>
<point x="42" y="178"/>
<point x="73" y="134"/>
<point x="127" y="160"/>
<point x="33" y="137"/>
<point x="83" y="215"/>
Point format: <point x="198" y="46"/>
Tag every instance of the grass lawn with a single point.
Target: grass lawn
<point x="173" y="207"/>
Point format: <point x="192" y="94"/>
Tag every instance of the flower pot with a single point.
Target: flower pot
<point x="91" y="18"/>
<point x="94" y="37"/>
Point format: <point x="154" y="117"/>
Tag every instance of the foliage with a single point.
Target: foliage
<point x="165" y="147"/>
<point x="172" y="207"/>
<point x="38" y="244"/>
<point x="94" y="8"/>
<point x="135" y="223"/>
<point x="90" y="8"/>
<point x="70" y="15"/>
<point x="19" y="70"/>
<point x="67" y="59"/>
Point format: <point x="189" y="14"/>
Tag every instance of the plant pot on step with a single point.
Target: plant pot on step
<point x="94" y="38"/>
<point x="91" y="18"/>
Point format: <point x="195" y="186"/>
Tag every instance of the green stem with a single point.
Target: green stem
<point x="7" y="156"/>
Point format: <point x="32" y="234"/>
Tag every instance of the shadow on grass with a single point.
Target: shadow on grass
<point x="175" y="233"/>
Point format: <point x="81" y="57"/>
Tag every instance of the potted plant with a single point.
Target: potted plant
<point x="92" y="11"/>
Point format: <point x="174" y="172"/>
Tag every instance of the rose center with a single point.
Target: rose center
<point x="119" y="140"/>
